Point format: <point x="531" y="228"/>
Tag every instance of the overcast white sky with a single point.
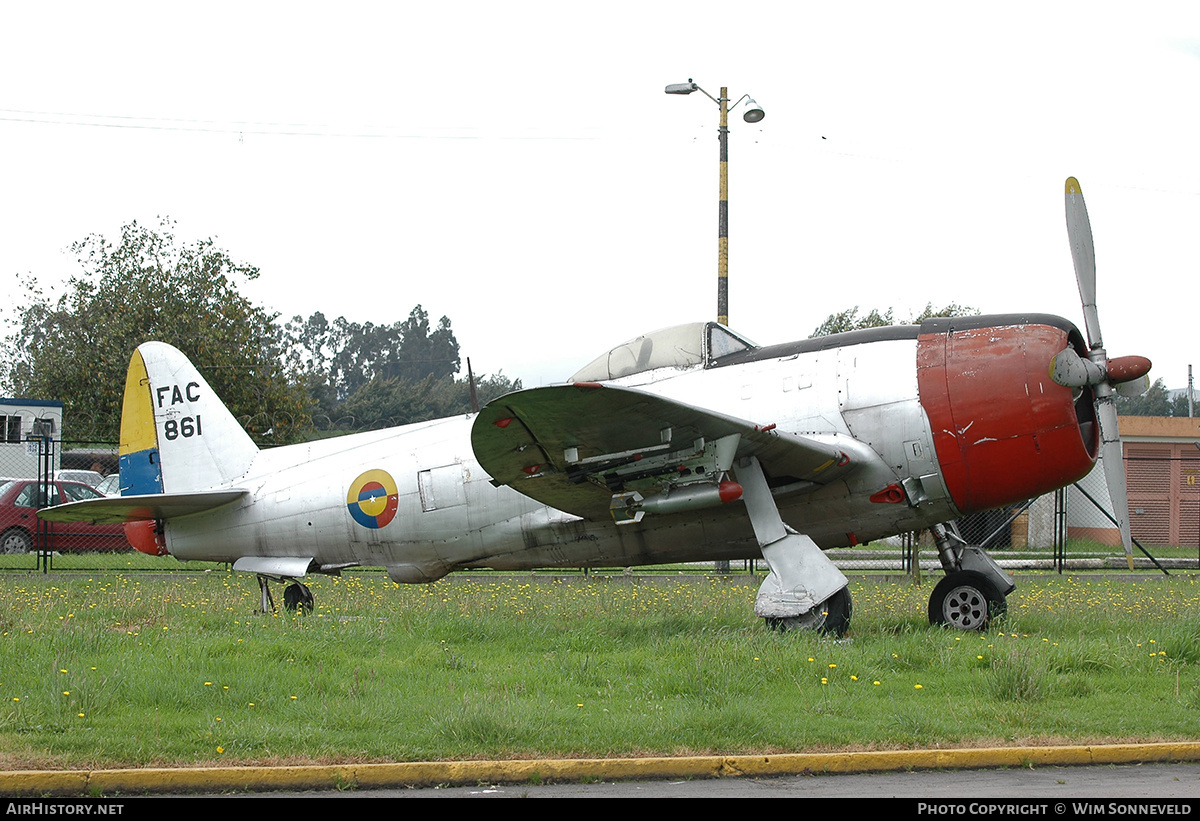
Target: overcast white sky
<point x="518" y="168"/>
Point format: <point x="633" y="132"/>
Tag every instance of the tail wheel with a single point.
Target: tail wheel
<point x="297" y="597"/>
<point x="967" y="601"/>
<point x="831" y="617"/>
<point x="16" y="540"/>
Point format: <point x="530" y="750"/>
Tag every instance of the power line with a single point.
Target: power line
<point x="260" y="128"/>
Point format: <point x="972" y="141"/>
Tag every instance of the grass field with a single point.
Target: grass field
<point x="110" y="669"/>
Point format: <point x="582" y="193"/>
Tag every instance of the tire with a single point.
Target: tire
<point x="298" y="598"/>
<point x="966" y="601"/>
<point x="16" y="540"/>
<point x="831" y="617"/>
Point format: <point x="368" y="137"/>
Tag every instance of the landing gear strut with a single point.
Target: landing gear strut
<point x="804" y="588"/>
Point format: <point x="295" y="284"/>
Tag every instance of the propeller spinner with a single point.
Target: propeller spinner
<point x="1126" y="375"/>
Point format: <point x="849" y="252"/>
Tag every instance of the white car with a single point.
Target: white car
<point x="110" y="485"/>
<point x="87" y="477"/>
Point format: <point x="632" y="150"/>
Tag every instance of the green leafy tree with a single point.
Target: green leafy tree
<point x="148" y="286"/>
<point x="1156" y="401"/>
<point x="365" y="375"/>
<point x="851" y="320"/>
<point x="340" y="357"/>
<point x="1179" y="405"/>
<point x="387" y="402"/>
<point x="383" y="403"/>
<point x="953" y="309"/>
<point x="423" y="352"/>
<point x="454" y="395"/>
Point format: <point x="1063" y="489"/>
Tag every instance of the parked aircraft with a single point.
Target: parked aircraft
<point x="687" y="444"/>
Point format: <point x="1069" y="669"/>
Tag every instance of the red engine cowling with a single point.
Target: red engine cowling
<point x="1004" y="432"/>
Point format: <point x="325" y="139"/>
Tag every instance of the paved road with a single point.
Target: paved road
<point x="1136" y="783"/>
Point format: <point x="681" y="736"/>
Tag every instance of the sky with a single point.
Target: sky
<point x="517" y="167"/>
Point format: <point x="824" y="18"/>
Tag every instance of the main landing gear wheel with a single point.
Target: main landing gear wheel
<point x="831" y="617"/>
<point x="967" y="601"/>
<point x="297" y="597"/>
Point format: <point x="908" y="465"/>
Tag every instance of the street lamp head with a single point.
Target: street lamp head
<point x="681" y="88"/>
<point x="754" y="111"/>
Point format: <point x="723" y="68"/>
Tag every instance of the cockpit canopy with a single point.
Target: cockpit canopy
<point x="697" y="344"/>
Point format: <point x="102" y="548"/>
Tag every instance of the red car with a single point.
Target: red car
<point x="19" y="523"/>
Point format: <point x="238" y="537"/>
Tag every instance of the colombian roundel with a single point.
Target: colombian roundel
<point x="373" y="499"/>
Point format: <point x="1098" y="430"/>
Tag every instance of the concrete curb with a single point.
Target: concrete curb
<point x="460" y="773"/>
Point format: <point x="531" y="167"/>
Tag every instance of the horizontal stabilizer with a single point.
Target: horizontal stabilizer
<point x="120" y="509"/>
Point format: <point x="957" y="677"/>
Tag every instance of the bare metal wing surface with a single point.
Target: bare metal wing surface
<point x="121" y="509"/>
<point x="573" y="447"/>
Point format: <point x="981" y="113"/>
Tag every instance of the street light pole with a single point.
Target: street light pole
<point x="723" y="215"/>
<point x="753" y="114"/>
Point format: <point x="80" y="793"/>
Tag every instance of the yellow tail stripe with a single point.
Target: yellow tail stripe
<point x="137" y="411"/>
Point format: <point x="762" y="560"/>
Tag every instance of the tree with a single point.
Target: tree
<point x="1154" y="402"/>
<point x="387" y="402"/>
<point x="953" y="309"/>
<point x="423" y="353"/>
<point x="338" y="358"/>
<point x="849" y="320"/>
<point x="367" y="375"/>
<point x="76" y="348"/>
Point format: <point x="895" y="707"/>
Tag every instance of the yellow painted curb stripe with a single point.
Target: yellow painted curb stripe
<point x="416" y="774"/>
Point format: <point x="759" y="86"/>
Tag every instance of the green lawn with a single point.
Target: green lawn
<point x="112" y="669"/>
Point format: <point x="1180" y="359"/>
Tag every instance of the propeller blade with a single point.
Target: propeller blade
<point x="1127" y="368"/>
<point x="1083" y="254"/>
<point x="1114" y="469"/>
<point x="1104" y="375"/>
<point x="1133" y="388"/>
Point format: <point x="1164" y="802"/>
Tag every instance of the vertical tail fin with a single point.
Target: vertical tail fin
<point x="176" y="434"/>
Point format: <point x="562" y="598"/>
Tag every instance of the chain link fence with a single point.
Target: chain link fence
<point x="1074" y="529"/>
<point x="41" y="471"/>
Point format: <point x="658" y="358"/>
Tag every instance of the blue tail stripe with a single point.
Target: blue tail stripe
<point x="141" y="472"/>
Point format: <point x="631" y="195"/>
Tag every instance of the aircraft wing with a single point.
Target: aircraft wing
<point x="120" y="509"/>
<point x="573" y="446"/>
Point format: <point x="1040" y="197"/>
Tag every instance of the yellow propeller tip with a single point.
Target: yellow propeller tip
<point x="1073" y="186"/>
